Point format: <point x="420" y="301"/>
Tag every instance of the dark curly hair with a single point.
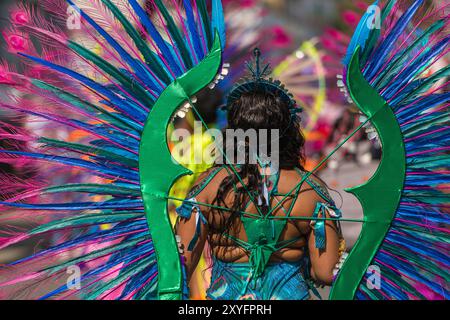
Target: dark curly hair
<point x="258" y="110"/>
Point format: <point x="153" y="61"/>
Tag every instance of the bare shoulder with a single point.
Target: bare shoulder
<point x="293" y="178"/>
<point x="320" y="188"/>
<point x="209" y="174"/>
<point x="209" y="181"/>
<point x="316" y="182"/>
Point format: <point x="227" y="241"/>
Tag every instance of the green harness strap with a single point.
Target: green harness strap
<point x="263" y="231"/>
<point x="185" y="210"/>
<point x="263" y="234"/>
<point x="261" y="251"/>
<point x="202" y="185"/>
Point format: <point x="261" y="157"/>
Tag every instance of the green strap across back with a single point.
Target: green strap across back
<point x="263" y="232"/>
<point x="263" y="235"/>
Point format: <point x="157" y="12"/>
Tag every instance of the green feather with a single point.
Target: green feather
<point x="429" y="162"/>
<point x="95" y="254"/>
<point x="423" y="126"/>
<point x="87" y="219"/>
<point x="375" y="33"/>
<point x="109" y="117"/>
<point x="201" y="4"/>
<point x="176" y="34"/>
<point x="148" y="293"/>
<point x="428" y="83"/>
<point x="424" y="264"/>
<point x="95" y="189"/>
<point x="387" y="10"/>
<point x="132" y="86"/>
<point x="429" y="197"/>
<point x="372" y="294"/>
<point x="398" y="63"/>
<point x="137" y="267"/>
<point x="401" y="283"/>
<point x="150" y="57"/>
<point x="89" y="150"/>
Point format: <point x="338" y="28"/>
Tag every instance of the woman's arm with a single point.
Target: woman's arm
<point x="187" y="227"/>
<point x="186" y="230"/>
<point x="324" y="260"/>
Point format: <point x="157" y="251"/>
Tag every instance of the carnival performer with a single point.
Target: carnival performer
<point x="263" y="244"/>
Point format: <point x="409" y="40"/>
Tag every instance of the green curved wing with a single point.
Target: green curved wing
<point x="158" y="172"/>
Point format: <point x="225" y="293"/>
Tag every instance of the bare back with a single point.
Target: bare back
<point x="297" y="227"/>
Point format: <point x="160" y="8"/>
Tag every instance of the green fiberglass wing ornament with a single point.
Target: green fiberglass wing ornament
<point x="159" y="173"/>
<point x="119" y="87"/>
<point x="396" y="78"/>
<point x="380" y="196"/>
